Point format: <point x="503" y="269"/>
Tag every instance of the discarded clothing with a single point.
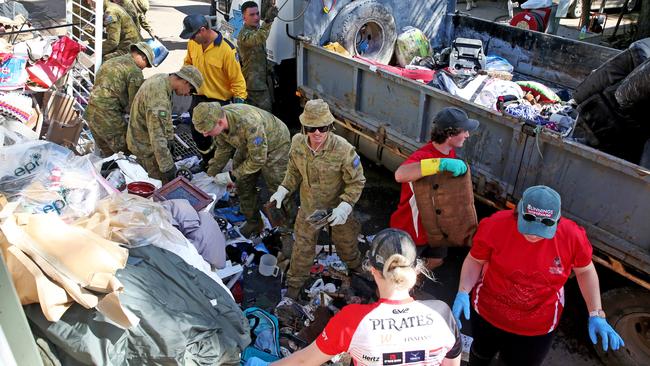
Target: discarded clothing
<point x="201" y="229"/>
<point x="186" y="318"/>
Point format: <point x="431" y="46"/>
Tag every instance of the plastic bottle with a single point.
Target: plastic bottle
<point x="583" y="32"/>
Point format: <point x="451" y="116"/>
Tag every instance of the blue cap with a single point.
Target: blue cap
<point x="192" y="24"/>
<point x="456" y="118"/>
<point x="543" y="203"/>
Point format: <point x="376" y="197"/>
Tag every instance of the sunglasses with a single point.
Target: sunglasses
<point x="195" y="33"/>
<point x="320" y="129"/>
<point x="545" y="221"/>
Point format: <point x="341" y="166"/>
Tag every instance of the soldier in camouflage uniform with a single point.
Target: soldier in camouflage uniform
<point x="137" y="9"/>
<point x="120" y="30"/>
<point x="258" y="143"/>
<point x="116" y="84"/>
<point x="329" y="174"/>
<point x="150" y="130"/>
<point x="252" y="49"/>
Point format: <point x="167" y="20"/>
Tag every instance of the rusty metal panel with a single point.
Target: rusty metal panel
<point x="610" y="197"/>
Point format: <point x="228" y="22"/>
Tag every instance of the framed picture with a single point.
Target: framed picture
<point x="181" y="188"/>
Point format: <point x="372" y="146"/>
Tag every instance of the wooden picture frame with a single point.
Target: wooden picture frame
<point x="181" y="188"/>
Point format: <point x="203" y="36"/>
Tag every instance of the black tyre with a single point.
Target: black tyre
<point x="366" y="28"/>
<point x="575" y="11"/>
<point x="628" y="312"/>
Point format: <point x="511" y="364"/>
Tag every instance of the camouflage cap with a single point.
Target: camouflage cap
<point x="190" y="74"/>
<point x="205" y="115"/>
<point x="316" y="114"/>
<point x="146" y="51"/>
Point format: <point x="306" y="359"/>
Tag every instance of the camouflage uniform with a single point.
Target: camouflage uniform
<point x="116" y="84"/>
<point x="150" y="127"/>
<point x="258" y="143"/>
<point x="325" y="178"/>
<point x="137" y="9"/>
<point x="121" y="32"/>
<point x="255" y="67"/>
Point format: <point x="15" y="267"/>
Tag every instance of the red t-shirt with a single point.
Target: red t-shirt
<point x="522" y="288"/>
<point x="393" y="332"/>
<point x="407" y="216"/>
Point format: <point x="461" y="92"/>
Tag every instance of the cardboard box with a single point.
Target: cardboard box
<point x="61" y="119"/>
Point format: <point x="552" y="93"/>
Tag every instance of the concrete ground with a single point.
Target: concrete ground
<point x="569" y="28"/>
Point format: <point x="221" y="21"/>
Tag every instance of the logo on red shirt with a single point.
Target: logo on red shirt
<point x="394" y="358"/>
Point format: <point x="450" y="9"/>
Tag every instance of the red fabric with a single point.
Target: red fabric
<point x="64" y="53"/>
<point x="425" y="75"/>
<point x="522" y="289"/>
<point x="407" y="216"/>
<point x="338" y="332"/>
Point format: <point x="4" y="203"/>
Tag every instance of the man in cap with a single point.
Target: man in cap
<point x="424" y="207"/>
<point x="120" y="30"/>
<point x="252" y="45"/>
<point x="150" y="130"/>
<point x="328" y="172"/>
<point x="258" y="143"/>
<point x="217" y="60"/>
<point x="116" y="84"/>
<point x="516" y="271"/>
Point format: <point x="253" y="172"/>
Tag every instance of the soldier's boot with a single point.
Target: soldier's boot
<point x="252" y="227"/>
<point x="293" y="292"/>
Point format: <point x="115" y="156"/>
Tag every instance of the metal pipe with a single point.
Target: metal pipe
<point x="36" y="29"/>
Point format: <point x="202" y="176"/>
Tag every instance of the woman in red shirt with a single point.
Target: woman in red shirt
<point x="516" y="271"/>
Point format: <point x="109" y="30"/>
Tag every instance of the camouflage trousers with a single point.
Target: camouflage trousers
<point x="273" y="173"/>
<point x="344" y="237"/>
<point x="150" y="164"/>
<point x="261" y="99"/>
<point x="109" y="131"/>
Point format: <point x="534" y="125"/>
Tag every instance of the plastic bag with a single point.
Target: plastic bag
<point x="536" y="4"/>
<point x="493" y="89"/>
<point x="498" y="63"/>
<point x="45" y="177"/>
<point x="410" y="43"/>
<point x="13" y="74"/>
<point x="635" y="88"/>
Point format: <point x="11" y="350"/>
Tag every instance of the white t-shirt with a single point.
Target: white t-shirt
<point x="389" y="332"/>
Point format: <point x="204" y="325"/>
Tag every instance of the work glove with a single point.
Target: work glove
<point x="340" y="214"/>
<point x="238" y="101"/>
<point x="599" y="327"/>
<point x="461" y="305"/>
<point x="271" y="14"/>
<point x="169" y="175"/>
<point x="435" y="165"/>
<point x="278" y="196"/>
<point x="255" y="361"/>
<point x="224" y="179"/>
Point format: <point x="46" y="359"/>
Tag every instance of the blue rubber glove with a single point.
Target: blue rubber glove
<point x="254" y="361"/>
<point x="461" y="305"/>
<point x="599" y="327"/>
<point x="455" y="166"/>
<point x="238" y="100"/>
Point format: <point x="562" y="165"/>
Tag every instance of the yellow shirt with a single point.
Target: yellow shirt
<point x="219" y="65"/>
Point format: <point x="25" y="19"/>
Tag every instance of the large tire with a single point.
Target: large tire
<point x="628" y="311"/>
<point x="575" y="11"/>
<point x="366" y="20"/>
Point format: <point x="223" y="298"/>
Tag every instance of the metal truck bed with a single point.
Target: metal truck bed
<point x="387" y="117"/>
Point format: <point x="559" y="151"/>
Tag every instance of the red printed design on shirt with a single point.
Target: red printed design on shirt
<point x="407" y="215"/>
